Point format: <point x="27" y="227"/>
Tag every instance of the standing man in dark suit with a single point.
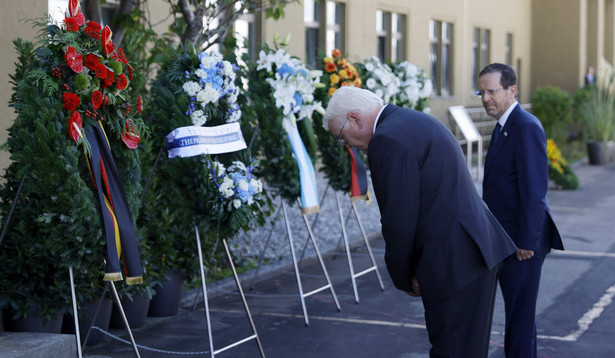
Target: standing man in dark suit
<point x="442" y="243"/>
<point x="515" y="189"/>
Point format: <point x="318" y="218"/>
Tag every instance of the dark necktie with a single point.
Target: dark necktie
<point x="496" y="132"/>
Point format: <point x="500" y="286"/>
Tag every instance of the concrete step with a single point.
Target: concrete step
<point x="37" y="345"/>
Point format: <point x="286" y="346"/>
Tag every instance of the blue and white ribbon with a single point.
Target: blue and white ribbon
<point x="307" y="174"/>
<point x="194" y="140"/>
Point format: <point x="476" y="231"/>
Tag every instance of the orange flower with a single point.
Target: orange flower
<point x="342" y="62"/>
<point x="336" y="52"/>
<point x="330" y="67"/>
<point x="331" y="90"/>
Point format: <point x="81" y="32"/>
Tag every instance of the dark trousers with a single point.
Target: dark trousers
<point x="461" y="325"/>
<point x="519" y="282"/>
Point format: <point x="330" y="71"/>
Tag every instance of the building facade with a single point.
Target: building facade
<point x="546" y="41"/>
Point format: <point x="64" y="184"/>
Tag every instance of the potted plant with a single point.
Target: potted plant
<point x="60" y="91"/>
<point x="600" y="114"/>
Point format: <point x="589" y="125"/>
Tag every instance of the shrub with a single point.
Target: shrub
<point x="553" y="107"/>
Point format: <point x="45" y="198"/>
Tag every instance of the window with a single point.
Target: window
<point x="391" y="32"/>
<point x="335" y="24"/>
<point x="508" y="51"/>
<point x="481" y="39"/>
<point x="440" y="56"/>
<point x="247" y="35"/>
<point x="323" y="35"/>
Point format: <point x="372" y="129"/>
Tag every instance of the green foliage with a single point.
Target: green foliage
<point x="579" y="119"/>
<point x="553" y="107"/>
<point x="567" y="180"/>
<point x="600" y="109"/>
<point x="180" y="197"/>
<point x="335" y="159"/>
<point x="56" y="223"/>
<point x="263" y="129"/>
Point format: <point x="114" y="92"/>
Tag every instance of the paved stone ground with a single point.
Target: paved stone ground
<point x="574" y="313"/>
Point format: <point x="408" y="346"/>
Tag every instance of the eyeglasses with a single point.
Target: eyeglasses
<point x="490" y="92"/>
<point x="339" y="135"/>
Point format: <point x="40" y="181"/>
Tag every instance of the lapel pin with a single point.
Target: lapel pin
<point x="505" y="134"/>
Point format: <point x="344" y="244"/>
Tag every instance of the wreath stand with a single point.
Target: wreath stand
<point x="374" y="266"/>
<point x="243" y="299"/>
<point x="72" y="288"/>
<point x="329" y="286"/>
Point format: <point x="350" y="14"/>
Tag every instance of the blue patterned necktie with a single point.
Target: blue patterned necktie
<point x="496" y="132"/>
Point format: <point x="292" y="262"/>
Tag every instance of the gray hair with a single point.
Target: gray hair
<point x="348" y="99"/>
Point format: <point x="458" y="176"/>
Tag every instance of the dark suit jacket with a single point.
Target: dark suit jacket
<point x="434" y="222"/>
<point x="516" y="180"/>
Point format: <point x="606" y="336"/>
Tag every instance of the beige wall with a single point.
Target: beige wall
<point x="11" y="11"/>
<point x="499" y="17"/>
<point x="554" y="40"/>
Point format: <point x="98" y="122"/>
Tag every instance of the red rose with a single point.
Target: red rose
<point x="91" y="61"/>
<point x="121" y="81"/>
<point x="71" y="101"/>
<point x="71" y="24"/>
<point x="74" y="126"/>
<point x="131" y="136"/>
<point x="73" y="59"/>
<point x="97" y="99"/>
<point x="101" y="71"/>
<point x="139" y="104"/>
<point x="93" y="29"/>
<point x="106" y="40"/>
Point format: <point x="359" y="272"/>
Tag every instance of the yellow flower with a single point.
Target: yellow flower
<point x="555" y="156"/>
<point x="328" y="59"/>
<point x="334" y="79"/>
<point x="331" y="90"/>
<point x="343" y="74"/>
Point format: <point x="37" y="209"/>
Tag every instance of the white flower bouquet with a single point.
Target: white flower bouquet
<point x="210" y="86"/>
<point x="379" y="78"/>
<point x="415" y="86"/>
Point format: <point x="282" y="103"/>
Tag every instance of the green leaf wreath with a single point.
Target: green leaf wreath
<point x="59" y="85"/>
<point x="265" y="112"/>
<point x="335" y="160"/>
<point x="202" y="191"/>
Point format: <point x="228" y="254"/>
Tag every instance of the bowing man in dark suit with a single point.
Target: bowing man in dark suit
<point x="515" y="189"/>
<point x="442" y="242"/>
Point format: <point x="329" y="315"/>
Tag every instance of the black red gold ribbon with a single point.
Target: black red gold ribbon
<point x="117" y="220"/>
<point x="358" y="176"/>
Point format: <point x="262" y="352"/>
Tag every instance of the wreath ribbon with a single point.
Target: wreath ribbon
<point x="117" y="220"/>
<point x="307" y="174"/>
<point x="358" y="176"/>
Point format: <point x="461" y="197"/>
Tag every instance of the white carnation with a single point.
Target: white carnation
<point x="191" y="88"/>
<point x="198" y="117"/>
